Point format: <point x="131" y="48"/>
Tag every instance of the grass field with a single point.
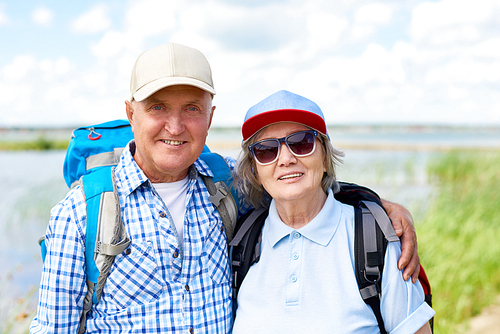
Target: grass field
<point x="459" y="238"/>
<point x="40" y="144"/>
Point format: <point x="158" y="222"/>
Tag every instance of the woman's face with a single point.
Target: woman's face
<point x="291" y="178"/>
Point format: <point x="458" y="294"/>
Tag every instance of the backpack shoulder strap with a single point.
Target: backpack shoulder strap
<point x="245" y="246"/>
<point x="372" y="231"/>
<point x="222" y="195"/>
<point x="105" y="233"/>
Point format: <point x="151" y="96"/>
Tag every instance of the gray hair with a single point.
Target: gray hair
<point x="250" y="187"/>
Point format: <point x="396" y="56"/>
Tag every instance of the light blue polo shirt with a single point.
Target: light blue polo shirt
<point x="305" y="282"/>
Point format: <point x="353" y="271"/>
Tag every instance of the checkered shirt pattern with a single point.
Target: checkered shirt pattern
<point x="158" y="285"/>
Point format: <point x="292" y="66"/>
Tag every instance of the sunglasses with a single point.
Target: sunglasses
<point x="301" y="144"/>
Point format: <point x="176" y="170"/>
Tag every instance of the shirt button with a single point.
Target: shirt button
<point x="128" y="251"/>
<point x="163" y="214"/>
<point x="296" y="235"/>
<point x="191" y="330"/>
<point x="295" y="256"/>
<point x="186" y="287"/>
<point x="176" y="254"/>
<point x="293" y="279"/>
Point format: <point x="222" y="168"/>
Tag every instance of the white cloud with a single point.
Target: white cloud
<point x="457" y="93"/>
<point x="112" y="43"/>
<point x="437" y="20"/>
<point x="94" y="21"/>
<point x="4" y="19"/>
<point x="52" y="69"/>
<point x="152" y="17"/>
<point x="324" y="30"/>
<point x="489" y="48"/>
<point x="19" y="68"/>
<point x="368" y="18"/>
<point x="465" y="71"/>
<point x="375" y="13"/>
<point x="57" y="94"/>
<point x="42" y="16"/>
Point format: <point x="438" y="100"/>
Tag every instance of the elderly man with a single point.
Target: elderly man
<point x="175" y="276"/>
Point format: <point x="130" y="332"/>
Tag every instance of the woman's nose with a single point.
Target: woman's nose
<point x="285" y="156"/>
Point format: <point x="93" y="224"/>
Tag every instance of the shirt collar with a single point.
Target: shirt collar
<point x="319" y="230"/>
<point x="132" y="177"/>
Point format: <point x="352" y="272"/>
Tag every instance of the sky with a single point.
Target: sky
<point x="68" y="63"/>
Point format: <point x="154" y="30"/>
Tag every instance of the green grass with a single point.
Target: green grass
<point x="40" y="144"/>
<point x="459" y="237"/>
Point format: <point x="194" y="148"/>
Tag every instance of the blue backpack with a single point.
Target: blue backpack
<point x="92" y="155"/>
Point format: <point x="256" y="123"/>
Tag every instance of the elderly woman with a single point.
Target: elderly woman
<point x="305" y="280"/>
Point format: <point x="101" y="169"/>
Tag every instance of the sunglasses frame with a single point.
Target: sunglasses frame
<point x="281" y="141"/>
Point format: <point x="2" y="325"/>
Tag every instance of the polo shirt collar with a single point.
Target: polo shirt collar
<point x="319" y="230"/>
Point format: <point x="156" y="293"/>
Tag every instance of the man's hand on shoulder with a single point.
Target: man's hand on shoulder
<point x="403" y="225"/>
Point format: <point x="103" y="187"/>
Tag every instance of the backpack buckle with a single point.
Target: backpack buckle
<point x="219" y="195"/>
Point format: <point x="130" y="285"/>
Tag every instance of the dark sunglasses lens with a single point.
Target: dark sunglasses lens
<point x="301" y="143"/>
<point x="265" y="151"/>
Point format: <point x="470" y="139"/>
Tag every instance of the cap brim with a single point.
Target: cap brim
<point x="264" y="119"/>
<point x="152" y="87"/>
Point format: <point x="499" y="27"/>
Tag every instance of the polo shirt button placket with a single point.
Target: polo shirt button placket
<point x="293" y="284"/>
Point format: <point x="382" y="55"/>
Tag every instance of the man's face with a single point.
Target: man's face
<point x="170" y="128"/>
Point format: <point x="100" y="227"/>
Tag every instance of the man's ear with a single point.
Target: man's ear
<point x="129" y="109"/>
<point x="211" y="116"/>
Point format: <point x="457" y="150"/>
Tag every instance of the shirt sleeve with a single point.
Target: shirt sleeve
<point x="403" y="307"/>
<point x="62" y="287"/>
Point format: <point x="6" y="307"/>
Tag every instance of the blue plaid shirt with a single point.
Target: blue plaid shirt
<point x="162" y="285"/>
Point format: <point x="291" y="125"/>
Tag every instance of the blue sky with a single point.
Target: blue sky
<point x="67" y="63"/>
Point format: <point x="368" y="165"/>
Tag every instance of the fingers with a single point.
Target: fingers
<point x="413" y="268"/>
<point x="397" y="225"/>
<point x="415" y="274"/>
<point x="407" y="253"/>
<point x="409" y="259"/>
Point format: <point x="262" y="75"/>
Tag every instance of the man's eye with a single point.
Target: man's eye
<point x="193" y="109"/>
<point x="157" y="108"/>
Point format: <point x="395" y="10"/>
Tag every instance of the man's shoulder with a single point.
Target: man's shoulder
<point x="69" y="214"/>
<point x="204" y="161"/>
<point x="74" y="197"/>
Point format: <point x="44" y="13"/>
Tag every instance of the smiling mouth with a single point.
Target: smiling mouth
<point x="290" y="176"/>
<point x="173" y="142"/>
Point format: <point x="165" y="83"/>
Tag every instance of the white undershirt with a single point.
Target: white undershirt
<point x="173" y="195"/>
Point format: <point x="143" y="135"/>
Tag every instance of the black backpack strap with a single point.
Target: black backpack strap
<point x="245" y="246"/>
<point x="372" y="231"/>
<point x="369" y="248"/>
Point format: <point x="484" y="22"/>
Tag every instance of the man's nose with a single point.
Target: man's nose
<point x="174" y="124"/>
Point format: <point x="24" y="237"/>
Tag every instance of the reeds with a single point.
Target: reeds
<point x="459" y="239"/>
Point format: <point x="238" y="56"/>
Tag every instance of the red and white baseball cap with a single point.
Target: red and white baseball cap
<point x="283" y="106"/>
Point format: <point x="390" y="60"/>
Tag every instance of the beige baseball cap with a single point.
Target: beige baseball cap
<point x="167" y="65"/>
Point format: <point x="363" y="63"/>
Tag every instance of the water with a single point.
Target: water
<point x="31" y="184"/>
